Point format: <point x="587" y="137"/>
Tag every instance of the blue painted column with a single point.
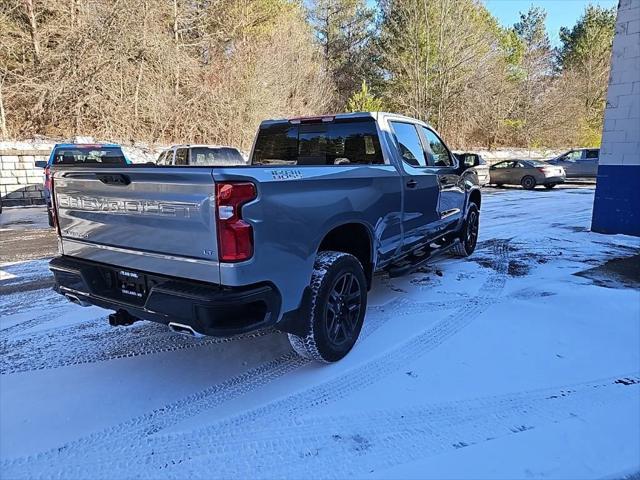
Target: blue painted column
<point x="616" y="208"/>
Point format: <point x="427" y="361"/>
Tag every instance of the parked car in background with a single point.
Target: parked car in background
<point x="474" y="163"/>
<point x="527" y="173"/>
<point x="579" y="163"/>
<point x="80" y="154"/>
<point x="201" y="155"/>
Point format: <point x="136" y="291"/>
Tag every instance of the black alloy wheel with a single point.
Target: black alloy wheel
<point x="473" y="226"/>
<point x="343" y="309"/>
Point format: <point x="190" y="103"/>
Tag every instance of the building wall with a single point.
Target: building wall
<point x="20" y="180"/>
<point x="616" y="207"/>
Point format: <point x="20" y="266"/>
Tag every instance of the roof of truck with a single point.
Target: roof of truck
<point x="73" y="145"/>
<point x="332" y="116"/>
<point x="198" y="145"/>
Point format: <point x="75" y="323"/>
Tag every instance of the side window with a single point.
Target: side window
<point x="182" y="156"/>
<point x="439" y="155"/>
<point x="593" y="153"/>
<point x="572" y="156"/>
<point x="506" y="164"/>
<point x="164" y="157"/>
<point x="409" y="143"/>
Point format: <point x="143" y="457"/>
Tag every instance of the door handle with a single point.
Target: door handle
<point x="412" y="184"/>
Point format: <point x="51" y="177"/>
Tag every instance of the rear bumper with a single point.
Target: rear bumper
<point x="556" y="179"/>
<point x="208" y="308"/>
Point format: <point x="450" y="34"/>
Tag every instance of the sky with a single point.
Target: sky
<point x="560" y="13"/>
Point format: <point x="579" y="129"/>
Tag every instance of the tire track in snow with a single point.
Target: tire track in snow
<point x="333" y="446"/>
<point x="342" y="386"/>
<point x="161" y="449"/>
<point x="25" y="310"/>
<point x="199" y="402"/>
<point x="95" y="341"/>
<point x="21" y="273"/>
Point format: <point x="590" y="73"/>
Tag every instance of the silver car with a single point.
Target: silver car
<point x="201" y="155"/>
<point x="527" y="173"/>
<point x="580" y="163"/>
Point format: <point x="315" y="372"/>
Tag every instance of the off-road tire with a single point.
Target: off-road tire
<point x="528" y="182"/>
<point x="330" y="267"/>
<point x="468" y="233"/>
<point x="549" y="186"/>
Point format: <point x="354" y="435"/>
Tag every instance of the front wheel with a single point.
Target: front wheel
<point x="338" y="305"/>
<point x="469" y="233"/>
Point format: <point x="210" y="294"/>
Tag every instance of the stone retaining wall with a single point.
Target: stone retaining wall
<point x="20" y="180"/>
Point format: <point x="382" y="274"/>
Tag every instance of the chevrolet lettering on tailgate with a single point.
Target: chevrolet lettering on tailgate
<point x="113" y="205"/>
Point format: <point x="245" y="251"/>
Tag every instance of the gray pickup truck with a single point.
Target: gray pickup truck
<point x="290" y="241"/>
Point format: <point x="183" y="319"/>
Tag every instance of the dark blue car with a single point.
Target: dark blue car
<point x="78" y="154"/>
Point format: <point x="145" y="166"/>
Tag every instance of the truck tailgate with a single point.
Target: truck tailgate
<point x="153" y="219"/>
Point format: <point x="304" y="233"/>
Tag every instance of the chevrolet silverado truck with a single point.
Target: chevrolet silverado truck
<point x="290" y="241"/>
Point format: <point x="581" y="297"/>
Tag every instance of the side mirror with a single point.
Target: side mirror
<point x="41" y="163"/>
<point x="470" y="160"/>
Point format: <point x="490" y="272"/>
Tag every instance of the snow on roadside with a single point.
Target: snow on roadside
<point x="503" y="365"/>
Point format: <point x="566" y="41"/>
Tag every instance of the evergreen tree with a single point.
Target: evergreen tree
<point x="584" y="60"/>
<point x="364" y="101"/>
<point x="535" y="74"/>
<point x="434" y="57"/>
<point x="343" y="29"/>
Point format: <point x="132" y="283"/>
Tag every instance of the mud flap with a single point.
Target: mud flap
<point x="297" y="321"/>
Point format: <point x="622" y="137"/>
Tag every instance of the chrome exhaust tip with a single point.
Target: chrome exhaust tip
<point x="75" y="299"/>
<point x="183" y="329"/>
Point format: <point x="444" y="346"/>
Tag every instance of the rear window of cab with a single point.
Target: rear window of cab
<point x="338" y="142"/>
<point x="89" y="155"/>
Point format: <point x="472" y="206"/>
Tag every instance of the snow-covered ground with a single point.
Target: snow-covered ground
<point x="503" y="365"/>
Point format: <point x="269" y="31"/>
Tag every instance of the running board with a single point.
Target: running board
<point x="420" y="257"/>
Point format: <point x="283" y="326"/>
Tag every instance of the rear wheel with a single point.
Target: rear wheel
<point x="468" y="233"/>
<point x="528" y="182"/>
<point x="338" y="305"/>
<point x="549" y="186"/>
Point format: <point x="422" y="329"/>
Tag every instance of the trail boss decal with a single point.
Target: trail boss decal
<point x="286" y="174"/>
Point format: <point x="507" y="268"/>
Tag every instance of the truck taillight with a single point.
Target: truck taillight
<point x="54" y="212"/>
<point x="47" y="178"/>
<point x="235" y="236"/>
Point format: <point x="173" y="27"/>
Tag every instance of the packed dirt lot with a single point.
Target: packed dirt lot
<point x="522" y="360"/>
